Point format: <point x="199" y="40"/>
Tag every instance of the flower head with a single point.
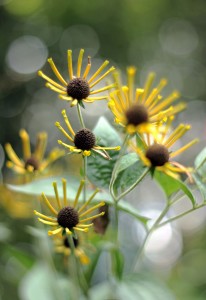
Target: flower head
<point x="69" y="217"/>
<point x="139" y="110"/>
<point x="79" y="87"/>
<point x="84" y="140"/>
<point x="63" y="246"/>
<point x="31" y="162"/>
<point x="156" y="153"/>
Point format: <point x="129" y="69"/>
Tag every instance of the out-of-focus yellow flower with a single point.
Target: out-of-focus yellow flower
<point x="79" y="87"/>
<point x="84" y="140"/>
<point x="138" y="110"/>
<point x="156" y="150"/>
<point x="62" y="245"/>
<point x="31" y="162"/>
<point x="68" y="218"/>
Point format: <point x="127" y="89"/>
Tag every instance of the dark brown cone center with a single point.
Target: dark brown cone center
<point x="84" y="139"/>
<point x="136" y="115"/>
<point x="68" y="217"/>
<point x="158" y="155"/>
<point x="33" y="162"/>
<point x="78" y="88"/>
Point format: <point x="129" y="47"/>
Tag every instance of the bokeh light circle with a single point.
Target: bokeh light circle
<point x="26" y="55"/>
<point x="80" y="36"/>
<point x="178" y="37"/>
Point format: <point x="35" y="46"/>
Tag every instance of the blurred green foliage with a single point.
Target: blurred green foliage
<point x="125" y="32"/>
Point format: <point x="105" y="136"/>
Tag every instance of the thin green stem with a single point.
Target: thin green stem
<point x="181" y="215"/>
<point x="154" y="226"/>
<point x="121" y="153"/>
<point x="85" y="179"/>
<point x="80" y="115"/>
<point x="73" y="269"/>
<point x="133" y="185"/>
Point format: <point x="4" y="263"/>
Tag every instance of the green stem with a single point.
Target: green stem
<point x="181" y="215"/>
<point x="154" y="226"/>
<point x="85" y="179"/>
<point x="80" y="115"/>
<point x="121" y="153"/>
<point x="73" y="269"/>
<point x="133" y="185"/>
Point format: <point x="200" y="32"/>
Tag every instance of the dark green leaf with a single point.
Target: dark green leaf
<point x="127" y="175"/>
<point x="200" y="185"/>
<point x="200" y="163"/>
<point x="117" y="262"/>
<point x="100" y="169"/>
<point x="171" y="185"/>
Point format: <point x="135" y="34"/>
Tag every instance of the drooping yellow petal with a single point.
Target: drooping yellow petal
<point x="13" y="156"/>
<point x="56" y="194"/>
<point x="184" y="148"/>
<point x="147" y="86"/>
<point x="66" y="120"/>
<point x="41" y="144"/>
<point x="79" y="62"/>
<point x="131" y="71"/>
<point x="92" y="218"/>
<point x="101" y="68"/>
<point x="58" y="125"/>
<point x="88" y="211"/>
<point x="102" y="77"/>
<point x="88" y="201"/>
<point x="82" y="182"/>
<point x="56" y="72"/>
<point x="52" y="82"/>
<point x="48" y="222"/>
<point x="88" y="67"/>
<point x="51" y="208"/>
<point x="44" y="216"/>
<point x="70" y="68"/>
<point x="64" y="185"/>
<point x="56" y="231"/>
<point x="25" y="143"/>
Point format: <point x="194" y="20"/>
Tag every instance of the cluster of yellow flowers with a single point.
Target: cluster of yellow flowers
<point x="139" y="111"/>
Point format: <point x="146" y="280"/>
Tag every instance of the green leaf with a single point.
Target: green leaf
<point x="23" y="257"/>
<point x="128" y="173"/>
<point x="133" y="288"/>
<point x="40" y="283"/>
<point x="128" y="208"/>
<point x="117" y="262"/>
<point x="45" y="185"/>
<point x="171" y="185"/>
<point x="200" y="185"/>
<point x="100" y="169"/>
<point x="200" y="163"/>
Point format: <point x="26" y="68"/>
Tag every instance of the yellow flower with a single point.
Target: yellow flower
<point x="69" y="217"/>
<point x="62" y="246"/>
<point x="31" y="162"/>
<point x="84" y="140"/>
<point x="78" y="87"/>
<point x="139" y="110"/>
<point x="156" y="153"/>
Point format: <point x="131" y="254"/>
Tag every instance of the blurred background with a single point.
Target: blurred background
<point x="164" y="36"/>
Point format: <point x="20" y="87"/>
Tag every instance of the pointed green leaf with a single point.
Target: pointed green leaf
<point x="100" y="169"/>
<point x="117" y="262"/>
<point x="200" y="185"/>
<point x="128" y="173"/>
<point x="171" y="185"/>
<point x="200" y="163"/>
<point x="45" y="185"/>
